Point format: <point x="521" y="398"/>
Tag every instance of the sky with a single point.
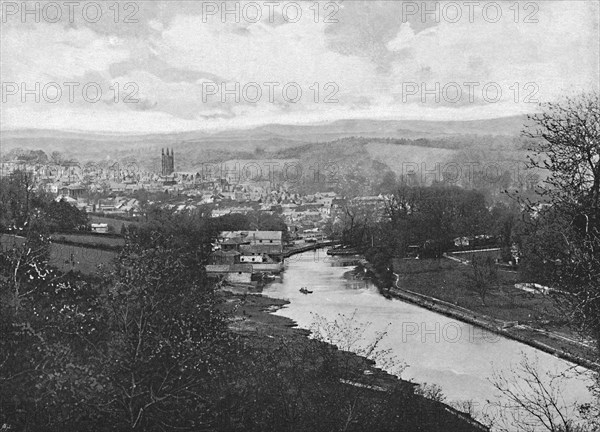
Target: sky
<point x="150" y="67"/>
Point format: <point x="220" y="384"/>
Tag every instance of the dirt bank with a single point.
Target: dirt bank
<point x="252" y="318"/>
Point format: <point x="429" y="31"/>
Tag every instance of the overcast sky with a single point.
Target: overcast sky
<point x="369" y="60"/>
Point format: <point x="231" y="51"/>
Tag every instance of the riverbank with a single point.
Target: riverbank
<point x="253" y="320"/>
<point x="434" y="289"/>
<point x="520" y="333"/>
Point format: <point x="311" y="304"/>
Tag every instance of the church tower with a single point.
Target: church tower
<point x="168" y="162"/>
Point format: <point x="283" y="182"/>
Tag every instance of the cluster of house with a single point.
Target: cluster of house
<point x="303" y="212"/>
<point x="117" y="206"/>
<point x="76" y="182"/>
<point x="71" y="176"/>
<point x="313" y="208"/>
<point x="240" y="256"/>
<point x="109" y="190"/>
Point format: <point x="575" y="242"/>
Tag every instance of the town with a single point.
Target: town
<point x="447" y="248"/>
<point x="304" y="217"/>
<point x="114" y="195"/>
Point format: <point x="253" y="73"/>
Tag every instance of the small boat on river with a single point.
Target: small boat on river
<point x="305" y="290"/>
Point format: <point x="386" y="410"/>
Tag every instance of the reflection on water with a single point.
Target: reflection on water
<point x="439" y="350"/>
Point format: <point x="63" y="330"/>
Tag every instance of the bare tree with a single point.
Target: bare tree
<point x="535" y="402"/>
<point x="483" y="275"/>
<point x="566" y="144"/>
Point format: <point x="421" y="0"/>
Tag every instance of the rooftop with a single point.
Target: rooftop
<point x="229" y="268"/>
<point x="255" y="235"/>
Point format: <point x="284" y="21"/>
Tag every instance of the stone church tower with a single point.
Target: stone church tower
<point x="168" y="162"/>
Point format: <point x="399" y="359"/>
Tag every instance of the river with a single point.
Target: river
<point x="456" y="356"/>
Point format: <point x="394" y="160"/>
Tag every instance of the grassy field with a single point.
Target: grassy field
<point x="90" y="239"/>
<point x="541" y="323"/>
<point x="67" y="257"/>
<point x="397" y="157"/>
<point x="77" y="258"/>
<point x="449" y="281"/>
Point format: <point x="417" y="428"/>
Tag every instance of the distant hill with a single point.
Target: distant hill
<point x="507" y="126"/>
<point x="270" y="135"/>
<point x="392" y="143"/>
<point x="359" y="155"/>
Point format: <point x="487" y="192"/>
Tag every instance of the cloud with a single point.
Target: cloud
<point x="286" y="53"/>
<point x="50" y="52"/>
<point x="370" y="55"/>
<point x="403" y="39"/>
<point x="557" y="54"/>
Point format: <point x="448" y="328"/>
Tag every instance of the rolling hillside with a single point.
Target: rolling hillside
<point x="360" y="150"/>
<point x="271" y="137"/>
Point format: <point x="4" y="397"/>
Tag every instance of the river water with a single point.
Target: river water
<point x="458" y="357"/>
